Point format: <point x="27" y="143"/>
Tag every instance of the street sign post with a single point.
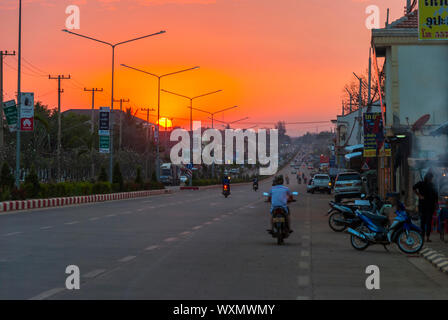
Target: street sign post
<point x="433" y="20"/>
<point x="104" y="130"/>
<point x="27" y="111"/>
<point x="10" y="110"/>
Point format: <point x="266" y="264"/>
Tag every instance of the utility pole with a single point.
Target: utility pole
<point x="92" y="126"/>
<point x="121" y="122"/>
<point x="2" y="54"/>
<point x="360" y="111"/>
<point x="19" y="96"/>
<point x="369" y="103"/>
<point x="147" y="141"/>
<point x="59" y="78"/>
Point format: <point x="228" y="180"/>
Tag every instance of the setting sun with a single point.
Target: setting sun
<point x="165" y="123"/>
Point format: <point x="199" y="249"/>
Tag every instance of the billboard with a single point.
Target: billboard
<point x="433" y="20"/>
<point x="373" y="134"/>
<point x="103" y="130"/>
<point x="10" y="110"/>
<point x="26" y="111"/>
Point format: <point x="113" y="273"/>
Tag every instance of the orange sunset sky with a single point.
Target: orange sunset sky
<point x="276" y="59"/>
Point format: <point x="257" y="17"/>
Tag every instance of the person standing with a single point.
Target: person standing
<point x="427" y="203"/>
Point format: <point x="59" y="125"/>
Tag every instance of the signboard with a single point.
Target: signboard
<point x="373" y="134"/>
<point x="26" y="111"/>
<point x="376" y="73"/>
<point x="104" y="144"/>
<point x="10" y="110"/>
<point x="103" y="130"/>
<point x="433" y="20"/>
<point x="104" y="117"/>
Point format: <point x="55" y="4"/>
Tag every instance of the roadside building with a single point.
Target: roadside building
<point x="416" y="103"/>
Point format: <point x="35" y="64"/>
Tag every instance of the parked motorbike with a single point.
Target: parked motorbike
<point x="226" y="190"/>
<point x="375" y="229"/>
<point x="342" y="215"/>
<point x="255" y="186"/>
<point x="280" y="225"/>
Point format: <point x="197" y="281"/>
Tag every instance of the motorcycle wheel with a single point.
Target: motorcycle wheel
<point x="411" y="243"/>
<point x="358" y="243"/>
<point x="280" y="239"/>
<point x="335" y="226"/>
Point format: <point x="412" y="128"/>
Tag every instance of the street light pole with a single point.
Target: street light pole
<point x="19" y="96"/>
<point x="159" y="77"/>
<point x="191" y="116"/>
<point x="112" y="45"/>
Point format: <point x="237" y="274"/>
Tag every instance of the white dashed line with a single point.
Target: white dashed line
<point x="94" y="273"/>
<point x="46" y="227"/>
<point x="216" y="219"/>
<point x="304" y="281"/>
<point x="305" y="253"/>
<point x="170" y="239"/>
<point x="304" y="265"/>
<point x="11" y="234"/>
<point x="185" y="233"/>
<point x="208" y="222"/>
<point x="73" y="222"/>
<point x="111" y="215"/>
<point x="47" y="294"/>
<point x="303" y="298"/>
<point x="94" y="218"/>
<point x="128" y="258"/>
<point x="197" y="227"/>
<point x="151" y="248"/>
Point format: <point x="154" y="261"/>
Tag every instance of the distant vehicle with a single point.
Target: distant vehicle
<point x="321" y="182"/>
<point x="183" y="179"/>
<point x="169" y="174"/>
<point x="293" y="172"/>
<point x="347" y="185"/>
<point x="309" y="186"/>
<point x="310" y="167"/>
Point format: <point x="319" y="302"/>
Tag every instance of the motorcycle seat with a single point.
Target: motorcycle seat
<point x="375" y="217"/>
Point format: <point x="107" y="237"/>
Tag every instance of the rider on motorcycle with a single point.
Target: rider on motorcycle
<point x="279" y="196"/>
<point x="255" y="182"/>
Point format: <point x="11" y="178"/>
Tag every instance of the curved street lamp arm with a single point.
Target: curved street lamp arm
<point x="149" y="35"/>
<point x="170" y="74"/>
<point x="143" y="71"/>
<point x="87" y="37"/>
<point x="206" y="94"/>
<point x="176" y="94"/>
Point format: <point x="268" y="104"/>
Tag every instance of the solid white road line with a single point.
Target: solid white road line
<point x="94" y="273"/>
<point x="47" y="294"/>
<point x="128" y="258"/>
<point x="12" y="234"/>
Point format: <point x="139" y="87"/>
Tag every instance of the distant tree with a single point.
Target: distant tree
<point x="117" y="176"/>
<point x="6" y="177"/>
<point x="103" y="175"/>
<point x="32" y="185"/>
<point x="138" y="178"/>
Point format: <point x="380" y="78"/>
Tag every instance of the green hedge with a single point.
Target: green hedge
<point x="67" y="189"/>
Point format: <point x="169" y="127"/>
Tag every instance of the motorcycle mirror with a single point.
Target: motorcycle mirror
<point x="295" y="193"/>
<point x="265" y="194"/>
<point x="363" y="196"/>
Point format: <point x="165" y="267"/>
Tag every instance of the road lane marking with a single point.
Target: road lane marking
<point x="305" y="253"/>
<point x="304" y="281"/>
<point x="111" y="215"/>
<point x="303" y="298"/>
<point x="127" y="212"/>
<point x="12" y="234"/>
<point x="216" y="219"/>
<point x="70" y="223"/>
<point x="47" y="294"/>
<point x="148" y="201"/>
<point x="197" y="227"/>
<point x="170" y="239"/>
<point x="151" y="248"/>
<point x="94" y="218"/>
<point x="139" y="210"/>
<point x="94" y="273"/>
<point x="208" y="222"/>
<point x="185" y="233"/>
<point x="46" y="227"/>
<point x="304" y="265"/>
<point x="128" y="258"/>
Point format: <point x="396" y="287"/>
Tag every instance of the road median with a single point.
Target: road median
<point x="15" y="205"/>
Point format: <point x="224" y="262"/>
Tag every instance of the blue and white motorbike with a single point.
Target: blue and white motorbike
<point x="374" y="229"/>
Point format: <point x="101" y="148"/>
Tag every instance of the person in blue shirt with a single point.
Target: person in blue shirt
<point x="279" y="195"/>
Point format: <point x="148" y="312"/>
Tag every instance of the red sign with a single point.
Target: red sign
<point x="324" y="159"/>
<point x="26" y="124"/>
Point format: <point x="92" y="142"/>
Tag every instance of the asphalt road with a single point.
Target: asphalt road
<point x="198" y="245"/>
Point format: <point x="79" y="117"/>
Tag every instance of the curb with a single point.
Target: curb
<point x="439" y="260"/>
<point x="65" y="201"/>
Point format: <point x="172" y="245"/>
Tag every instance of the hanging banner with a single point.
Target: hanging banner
<point x="376" y="73"/>
<point x="27" y="111"/>
<point x="10" y="110"/>
<point x="373" y="134"/>
<point x="433" y="20"/>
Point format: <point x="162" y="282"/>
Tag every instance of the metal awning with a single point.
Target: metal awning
<point x="442" y="129"/>
<point x="350" y="156"/>
<point x="355" y="147"/>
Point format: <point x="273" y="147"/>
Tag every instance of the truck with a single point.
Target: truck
<point x="169" y="174"/>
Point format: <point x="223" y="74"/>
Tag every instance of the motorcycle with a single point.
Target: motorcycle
<point x="342" y="216"/>
<point x="226" y="190"/>
<point x="280" y="220"/>
<point x="375" y="229"/>
<point x="255" y="186"/>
